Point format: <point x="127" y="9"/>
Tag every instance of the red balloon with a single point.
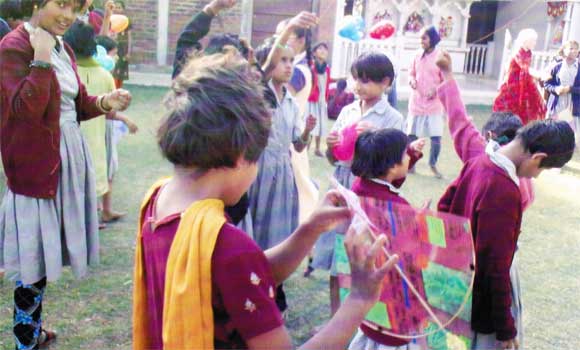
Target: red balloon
<point x="382" y="30"/>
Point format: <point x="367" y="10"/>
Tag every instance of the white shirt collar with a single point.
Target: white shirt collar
<point x="502" y="161"/>
<point x="386" y="183"/>
<point x="380" y="107"/>
<point x="287" y="95"/>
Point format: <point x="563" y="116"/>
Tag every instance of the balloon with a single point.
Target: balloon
<point x="352" y="28"/>
<point x="119" y="23"/>
<point x="345" y="149"/>
<point x="103" y="59"/>
<point x="382" y="30"/>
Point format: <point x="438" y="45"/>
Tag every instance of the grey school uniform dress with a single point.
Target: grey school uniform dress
<point x="273" y="196"/>
<point x="319" y="109"/>
<point x="381" y="116"/>
<point x="40" y="236"/>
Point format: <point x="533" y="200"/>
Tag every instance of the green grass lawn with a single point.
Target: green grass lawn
<point x="95" y="313"/>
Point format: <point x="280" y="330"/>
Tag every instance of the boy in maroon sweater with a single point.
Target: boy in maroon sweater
<point x="487" y="191"/>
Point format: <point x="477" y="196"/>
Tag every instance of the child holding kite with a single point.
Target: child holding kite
<point x="200" y="282"/>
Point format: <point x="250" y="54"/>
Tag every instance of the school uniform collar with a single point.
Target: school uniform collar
<point x="502" y="161"/>
<point x="380" y="107"/>
<point x="287" y="96"/>
<point x="389" y="185"/>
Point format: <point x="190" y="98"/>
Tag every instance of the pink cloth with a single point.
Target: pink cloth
<point x="428" y="77"/>
<point x="468" y="141"/>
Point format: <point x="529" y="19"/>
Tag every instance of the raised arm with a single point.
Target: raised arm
<point x="467" y="140"/>
<point x="302" y="20"/>
<point x="195" y="30"/>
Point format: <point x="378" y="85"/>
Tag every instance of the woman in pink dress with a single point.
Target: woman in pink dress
<point x="519" y="93"/>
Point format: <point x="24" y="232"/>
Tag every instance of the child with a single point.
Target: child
<point x="519" y="93"/>
<point x="121" y="71"/>
<point x="373" y="74"/>
<point x="113" y="119"/>
<point x="273" y="196"/>
<point x="500" y="128"/>
<point x="340" y="99"/>
<point x="381" y="160"/>
<point x="425" y="110"/>
<point x="317" y="101"/>
<point x="97" y="80"/>
<point x="274" y="208"/>
<point x="564" y="85"/>
<point x="201" y="283"/>
<point x="487" y="192"/>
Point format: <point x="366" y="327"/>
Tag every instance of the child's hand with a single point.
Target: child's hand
<point x="332" y="139"/>
<point x="331" y="212"/>
<point x="366" y="278"/>
<point x="363" y="126"/>
<point x="117" y="100"/>
<point x="303" y="20"/>
<point x="217" y="6"/>
<point x="443" y="61"/>
<point x="431" y="94"/>
<point x="133" y="128"/>
<point x="310" y="123"/>
<point x="510" y="344"/>
<point x="109" y="7"/>
<point x="418" y="145"/>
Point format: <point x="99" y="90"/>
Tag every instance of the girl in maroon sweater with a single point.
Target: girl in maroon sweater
<point x="48" y="216"/>
<point x="487" y="191"/>
<point x="381" y="162"/>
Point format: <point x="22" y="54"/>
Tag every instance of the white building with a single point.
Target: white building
<point x="476" y="32"/>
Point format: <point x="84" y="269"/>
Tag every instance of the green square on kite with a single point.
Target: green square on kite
<point x="340" y="256"/>
<point x="436" y="231"/>
<point x="447" y="289"/>
<point x="379" y="315"/>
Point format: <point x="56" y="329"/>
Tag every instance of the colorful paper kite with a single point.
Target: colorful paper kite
<point x="427" y="297"/>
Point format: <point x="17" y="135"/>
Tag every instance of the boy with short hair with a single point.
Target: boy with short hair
<point x="487" y="191"/>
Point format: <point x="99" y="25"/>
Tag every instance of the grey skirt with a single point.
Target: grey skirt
<point x="40" y="236"/>
<point x="425" y="125"/>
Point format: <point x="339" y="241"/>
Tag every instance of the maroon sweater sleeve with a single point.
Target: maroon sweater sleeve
<point x="26" y="90"/>
<point x="496" y="238"/>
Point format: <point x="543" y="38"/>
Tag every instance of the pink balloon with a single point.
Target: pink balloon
<point x="345" y="149"/>
<point x="382" y="30"/>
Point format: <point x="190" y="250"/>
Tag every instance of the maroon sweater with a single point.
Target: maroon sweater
<point x="485" y="193"/>
<point x="29" y="118"/>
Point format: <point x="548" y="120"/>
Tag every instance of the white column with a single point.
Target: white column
<point x="247" y="19"/>
<point x="466" y="17"/>
<point x="548" y="34"/>
<point x="162" y="31"/>
<point x="575" y="34"/>
<point x="568" y="22"/>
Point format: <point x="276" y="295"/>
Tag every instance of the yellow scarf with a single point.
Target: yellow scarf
<point x="187" y="309"/>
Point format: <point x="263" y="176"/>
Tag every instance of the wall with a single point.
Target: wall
<point x="143" y="16"/>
